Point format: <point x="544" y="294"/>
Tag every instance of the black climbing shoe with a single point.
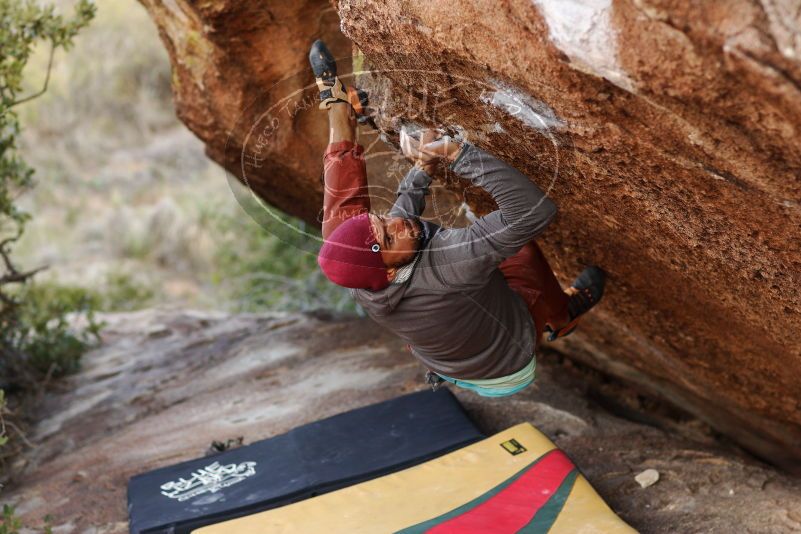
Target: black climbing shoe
<point x="324" y="67"/>
<point x="323" y="64"/>
<point x="590" y="289"/>
<point x="433" y="380"/>
<point x="218" y="446"/>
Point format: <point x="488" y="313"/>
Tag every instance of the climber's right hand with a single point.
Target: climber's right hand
<point x="429" y="149"/>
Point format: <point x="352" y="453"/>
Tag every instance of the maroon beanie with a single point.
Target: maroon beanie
<point x="351" y="257"/>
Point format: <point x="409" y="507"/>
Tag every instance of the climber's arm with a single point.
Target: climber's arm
<point x="345" y="191"/>
<point x="412" y="191"/>
<point x="468" y="255"/>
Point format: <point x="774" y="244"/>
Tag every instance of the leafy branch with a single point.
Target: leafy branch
<point x="35" y="337"/>
<point x="46" y="82"/>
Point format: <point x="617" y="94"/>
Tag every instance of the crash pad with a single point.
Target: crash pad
<point x="516" y="481"/>
<point x="310" y="460"/>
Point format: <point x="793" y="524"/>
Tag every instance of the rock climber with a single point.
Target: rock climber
<point x="472" y="303"/>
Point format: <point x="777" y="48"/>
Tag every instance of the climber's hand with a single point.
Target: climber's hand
<point x="431" y="148"/>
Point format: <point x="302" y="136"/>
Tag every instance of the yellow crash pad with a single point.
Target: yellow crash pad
<point x="516" y="481"/>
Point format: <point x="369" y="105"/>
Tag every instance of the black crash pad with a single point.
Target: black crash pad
<point x="310" y="460"/>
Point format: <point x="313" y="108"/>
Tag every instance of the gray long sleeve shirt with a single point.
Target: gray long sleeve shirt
<point x="456" y="311"/>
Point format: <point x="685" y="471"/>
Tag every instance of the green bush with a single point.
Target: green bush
<point x="46" y="343"/>
<point x="51" y="347"/>
<point x="273" y="265"/>
<point x="34" y="333"/>
<point x="36" y="339"/>
<point x="11" y="524"/>
<point x="122" y="292"/>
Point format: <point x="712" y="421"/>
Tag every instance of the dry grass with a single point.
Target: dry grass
<point x="127" y="202"/>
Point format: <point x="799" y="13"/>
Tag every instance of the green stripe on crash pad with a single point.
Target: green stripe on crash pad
<point x="546" y="516"/>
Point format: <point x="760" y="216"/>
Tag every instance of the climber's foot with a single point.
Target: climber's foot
<point x="332" y="90"/>
<point x="324" y="67"/>
<point x="585" y="293"/>
<point x="323" y="64"/>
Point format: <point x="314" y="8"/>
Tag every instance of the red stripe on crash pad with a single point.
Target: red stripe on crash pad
<point x="515" y="506"/>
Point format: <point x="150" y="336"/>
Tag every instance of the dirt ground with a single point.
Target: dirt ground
<point x="167" y="383"/>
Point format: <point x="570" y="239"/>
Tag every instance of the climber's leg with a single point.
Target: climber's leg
<point x="341" y="123"/>
<point x="530" y="276"/>
<point x="345" y="173"/>
<point x="585" y="293"/>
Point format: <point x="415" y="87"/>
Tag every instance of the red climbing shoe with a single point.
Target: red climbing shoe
<point x="331" y="87"/>
<point x="586" y="292"/>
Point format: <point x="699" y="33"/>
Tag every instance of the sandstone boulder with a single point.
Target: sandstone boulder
<point x="666" y="132"/>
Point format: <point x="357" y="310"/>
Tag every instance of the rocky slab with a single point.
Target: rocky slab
<point x="165" y="384"/>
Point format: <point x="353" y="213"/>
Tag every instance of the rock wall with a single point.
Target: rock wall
<point x="667" y="133"/>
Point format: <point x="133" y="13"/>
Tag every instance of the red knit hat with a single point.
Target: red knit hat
<point x="351" y="257"/>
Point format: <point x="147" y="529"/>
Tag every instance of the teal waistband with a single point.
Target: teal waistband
<point x="498" y="387"/>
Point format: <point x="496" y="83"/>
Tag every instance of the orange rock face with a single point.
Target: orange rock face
<point x="668" y="135"/>
<point x="227" y="58"/>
